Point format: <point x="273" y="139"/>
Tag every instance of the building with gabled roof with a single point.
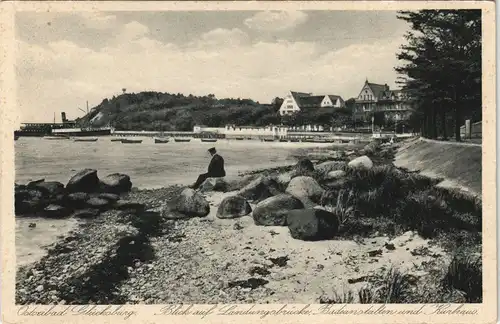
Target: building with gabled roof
<point x="374" y="97"/>
<point x="296" y="101"/>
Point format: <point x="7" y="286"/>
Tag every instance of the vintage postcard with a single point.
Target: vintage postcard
<point x="230" y="162"/>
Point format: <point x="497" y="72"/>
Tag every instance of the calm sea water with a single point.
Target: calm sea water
<point x="149" y="165"/>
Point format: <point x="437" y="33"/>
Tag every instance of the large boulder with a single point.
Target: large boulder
<point x="32" y="206"/>
<point x="273" y="211"/>
<point x="84" y="181"/>
<point x="284" y="178"/>
<point x="326" y="167"/>
<point x="109" y="196"/>
<point x="239" y="182"/>
<point x="260" y="189"/>
<point x="116" y="183"/>
<point x="98" y="203"/>
<point x="28" y="194"/>
<point x="129" y="205"/>
<point x="306" y="189"/>
<point x="86" y="213"/>
<point x="334" y="175"/>
<point x="312" y="224"/>
<point x="48" y="188"/>
<point x="55" y="211"/>
<point x="233" y="207"/>
<point x="192" y="204"/>
<point x="371" y="148"/>
<point x="76" y="200"/>
<point x="362" y="162"/>
<point x="304" y="167"/>
<point x="214" y="184"/>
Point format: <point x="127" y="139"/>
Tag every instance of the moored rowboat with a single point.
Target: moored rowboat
<point x="161" y="140"/>
<point x="85" y="139"/>
<point x="209" y="140"/>
<point x="55" y="137"/>
<point x="182" y="139"/>
<point x="131" y="141"/>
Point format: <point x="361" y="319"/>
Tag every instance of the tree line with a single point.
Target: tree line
<point x="156" y="111"/>
<point x="441" y="69"/>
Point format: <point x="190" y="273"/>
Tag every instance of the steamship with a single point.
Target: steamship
<point x="67" y="128"/>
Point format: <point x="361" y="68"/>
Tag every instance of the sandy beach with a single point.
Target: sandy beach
<point x="151" y="257"/>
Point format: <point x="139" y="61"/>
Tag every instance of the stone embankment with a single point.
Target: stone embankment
<point x="302" y="234"/>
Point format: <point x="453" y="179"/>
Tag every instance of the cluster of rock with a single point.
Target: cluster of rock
<point x="289" y="199"/>
<point x="84" y="196"/>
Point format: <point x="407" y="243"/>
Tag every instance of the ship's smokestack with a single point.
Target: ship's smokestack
<point x="63" y="117"/>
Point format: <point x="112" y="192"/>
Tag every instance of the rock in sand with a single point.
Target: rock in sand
<point x="109" y="196"/>
<point x="84" y="181"/>
<point x="55" y="211"/>
<point x="48" y="188"/>
<point x="97" y="203"/>
<point x="214" y="184"/>
<point x="233" y="207"/>
<point x="76" y="200"/>
<point x="334" y="175"/>
<point x="86" y="213"/>
<point x="312" y="224"/>
<point x="273" y="211"/>
<point x="260" y="189"/>
<point x="304" y="167"/>
<point x="128" y="205"/>
<point x="326" y="167"/>
<point x="306" y="189"/>
<point x="362" y="162"/>
<point x="191" y="203"/>
<point x="116" y="183"/>
<point x="29" y="206"/>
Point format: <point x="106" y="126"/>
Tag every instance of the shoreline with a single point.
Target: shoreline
<point x="167" y="252"/>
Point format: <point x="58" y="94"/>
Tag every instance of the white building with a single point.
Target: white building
<point x="244" y="131"/>
<point x="269" y="131"/>
<point x="296" y="101"/>
<point x="202" y="128"/>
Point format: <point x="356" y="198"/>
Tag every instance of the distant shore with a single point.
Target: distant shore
<point x="212" y="260"/>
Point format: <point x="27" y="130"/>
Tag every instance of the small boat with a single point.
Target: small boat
<point x="239" y="138"/>
<point x="57" y="137"/>
<point x="85" y="139"/>
<point x="295" y="140"/>
<point x="116" y="139"/>
<point x="161" y="140"/>
<point x="182" y="140"/>
<point x="283" y="140"/>
<point x="268" y="140"/>
<point x="209" y="140"/>
<point x="131" y="141"/>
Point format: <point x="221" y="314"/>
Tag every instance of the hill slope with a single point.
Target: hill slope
<point x="165" y="111"/>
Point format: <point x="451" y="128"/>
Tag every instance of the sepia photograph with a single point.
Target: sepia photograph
<point x="248" y="157"/>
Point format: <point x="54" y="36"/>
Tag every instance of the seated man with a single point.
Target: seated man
<point x="215" y="169"/>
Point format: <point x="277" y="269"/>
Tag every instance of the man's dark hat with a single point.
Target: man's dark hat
<point x="212" y="150"/>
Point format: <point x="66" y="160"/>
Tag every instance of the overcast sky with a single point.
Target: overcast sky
<point x="65" y="59"/>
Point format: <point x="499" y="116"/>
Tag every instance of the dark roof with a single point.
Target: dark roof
<point x="334" y="98"/>
<point x="378" y="90"/>
<point x="300" y="94"/>
<point x="310" y="101"/>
